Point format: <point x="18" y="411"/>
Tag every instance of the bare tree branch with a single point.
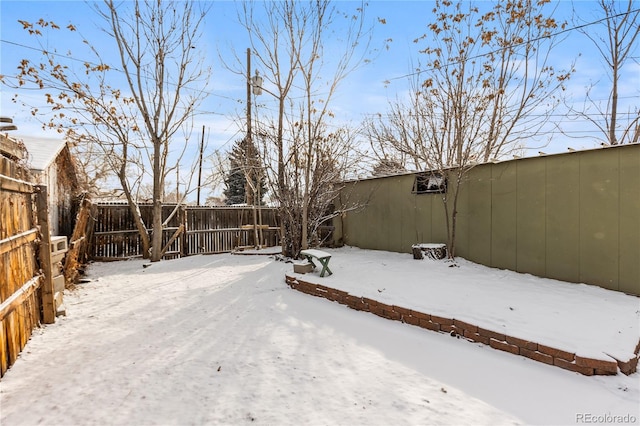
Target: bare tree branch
<point x="490" y="87"/>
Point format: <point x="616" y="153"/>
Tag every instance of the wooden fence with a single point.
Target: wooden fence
<point x="207" y="230"/>
<point x="79" y="243"/>
<point x="26" y="293"/>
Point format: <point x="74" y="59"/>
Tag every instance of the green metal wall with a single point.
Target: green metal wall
<point x="573" y="217"/>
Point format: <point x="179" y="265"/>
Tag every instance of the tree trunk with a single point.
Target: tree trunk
<point x="156" y="244"/>
<point x="614" y="105"/>
<point x="135" y="213"/>
<point x="304" y="244"/>
<point x="284" y="240"/>
<point x="140" y="226"/>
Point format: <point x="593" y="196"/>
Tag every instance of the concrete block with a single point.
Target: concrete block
<point x="302" y="268"/>
<point x="58" y="283"/>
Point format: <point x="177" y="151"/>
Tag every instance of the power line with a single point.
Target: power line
<point x="47" y="52"/>
<point x="72" y="58"/>
<point x="578" y="27"/>
<point x="82" y="61"/>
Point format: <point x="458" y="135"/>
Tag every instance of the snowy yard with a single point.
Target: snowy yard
<point x="223" y="340"/>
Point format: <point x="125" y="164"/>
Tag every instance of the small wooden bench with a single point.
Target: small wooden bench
<point x="322" y="256"/>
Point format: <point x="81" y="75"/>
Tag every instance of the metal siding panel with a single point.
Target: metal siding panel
<point x="384" y="227"/>
<point x="438" y="219"/>
<point x="562" y="217"/>
<point x="630" y="219"/>
<point x="401" y="214"/>
<point x="423" y="219"/>
<point x="599" y="209"/>
<point x="357" y="221"/>
<point x="462" y="231"/>
<point x="376" y="236"/>
<point x="479" y="215"/>
<point x="531" y="207"/>
<point x="411" y="214"/>
<point x="503" y="216"/>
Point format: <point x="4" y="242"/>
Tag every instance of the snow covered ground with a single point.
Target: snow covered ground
<point x="223" y="340"/>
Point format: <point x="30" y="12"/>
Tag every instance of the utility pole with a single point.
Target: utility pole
<point x="249" y="93"/>
<point x="248" y="185"/>
<point x="247" y="144"/>
<point x="200" y="167"/>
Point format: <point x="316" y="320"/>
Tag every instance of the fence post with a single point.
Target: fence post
<point x="80" y="243"/>
<point x="182" y="220"/>
<point x="256" y="243"/>
<point x="48" y="305"/>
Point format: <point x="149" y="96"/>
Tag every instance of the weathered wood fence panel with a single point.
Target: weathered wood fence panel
<point x="21" y="283"/>
<point x="17" y="264"/>
<point x="207" y="230"/>
<point x="79" y="245"/>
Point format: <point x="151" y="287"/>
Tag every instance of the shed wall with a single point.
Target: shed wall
<point x="573" y="217"/>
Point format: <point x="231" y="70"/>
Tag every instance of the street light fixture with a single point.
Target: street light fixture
<point x="256" y="84"/>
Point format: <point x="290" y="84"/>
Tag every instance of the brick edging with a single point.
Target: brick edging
<point x="532" y="350"/>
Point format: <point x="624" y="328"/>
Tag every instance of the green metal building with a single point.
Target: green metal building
<point x="573" y="217"/>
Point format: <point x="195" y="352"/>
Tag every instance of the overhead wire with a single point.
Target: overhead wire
<point x="525" y="42"/>
<point x="82" y="61"/>
<point x="210" y="93"/>
<point x="563" y="31"/>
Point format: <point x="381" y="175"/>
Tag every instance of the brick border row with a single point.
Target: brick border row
<point x="532" y="350"/>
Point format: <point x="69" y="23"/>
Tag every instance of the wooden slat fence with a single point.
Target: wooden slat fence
<point x="26" y="294"/>
<point x="19" y="301"/>
<point x="79" y="244"/>
<point x="208" y="230"/>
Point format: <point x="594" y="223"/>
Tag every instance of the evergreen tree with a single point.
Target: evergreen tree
<point x="245" y="170"/>
<point x="235" y="183"/>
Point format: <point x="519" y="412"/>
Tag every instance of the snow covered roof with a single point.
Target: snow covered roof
<point x="42" y="151"/>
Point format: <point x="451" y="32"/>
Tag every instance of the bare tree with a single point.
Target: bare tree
<point x="137" y="123"/>
<point x="488" y="88"/>
<point x="616" y="45"/>
<point x="289" y="43"/>
<point x="95" y="178"/>
<point x="388" y="166"/>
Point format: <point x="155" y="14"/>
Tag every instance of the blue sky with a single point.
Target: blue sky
<point x="362" y="94"/>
